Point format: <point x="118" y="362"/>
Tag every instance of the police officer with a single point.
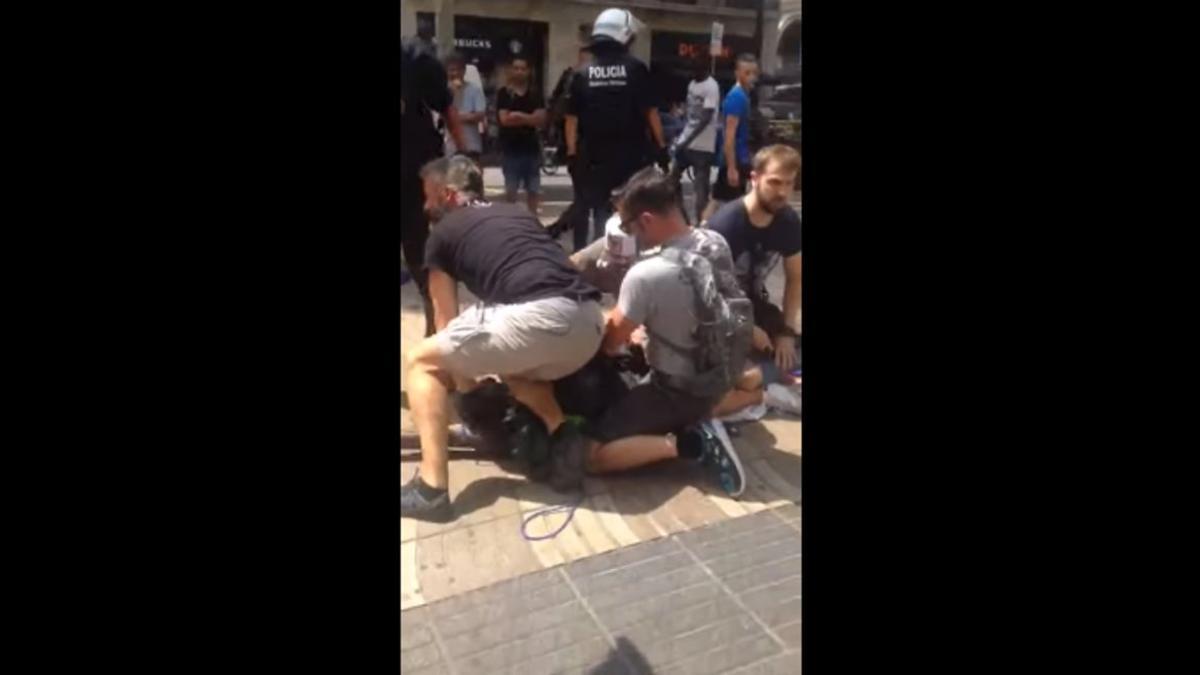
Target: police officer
<point x="424" y="90"/>
<point x="612" y="123"/>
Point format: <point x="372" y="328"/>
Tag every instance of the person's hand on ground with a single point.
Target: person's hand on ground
<point x="731" y="177"/>
<point x="762" y="341"/>
<point x="785" y="352"/>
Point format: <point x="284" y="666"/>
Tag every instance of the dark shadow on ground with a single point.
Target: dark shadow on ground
<point x="625" y="659"/>
<point x="639" y="491"/>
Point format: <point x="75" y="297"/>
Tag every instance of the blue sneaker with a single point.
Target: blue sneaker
<point x="720" y="457"/>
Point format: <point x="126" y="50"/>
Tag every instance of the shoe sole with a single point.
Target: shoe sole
<point x="440" y="515"/>
<point x="718" y="430"/>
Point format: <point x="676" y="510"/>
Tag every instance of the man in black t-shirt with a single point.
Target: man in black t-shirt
<point x="762" y="229"/>
<point x="574" y="215"/>
<point x="424" y="90"/>
<point x="521" y="112"/>
<point x="537" y="320"/>
<point x="612" y="109"/>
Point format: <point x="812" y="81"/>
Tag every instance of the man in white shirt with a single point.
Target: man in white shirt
<point x="471" y="105"/>
<point x="696" y="144"/>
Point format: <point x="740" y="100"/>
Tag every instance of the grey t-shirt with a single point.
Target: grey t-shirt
<point x="656" y="294"/>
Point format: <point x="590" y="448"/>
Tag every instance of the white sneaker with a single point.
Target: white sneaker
<point x="785" y="399"/>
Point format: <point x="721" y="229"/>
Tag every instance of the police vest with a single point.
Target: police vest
<point x="609" y="110"/>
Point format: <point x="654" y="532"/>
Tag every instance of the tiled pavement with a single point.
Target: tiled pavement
<point x="718" y="599"/>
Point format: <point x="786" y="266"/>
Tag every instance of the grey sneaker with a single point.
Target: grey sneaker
<point x="721" y="458"/>
<point x="415" y="505"/>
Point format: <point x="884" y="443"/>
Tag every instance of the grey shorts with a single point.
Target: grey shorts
<point x="539" y="340"/>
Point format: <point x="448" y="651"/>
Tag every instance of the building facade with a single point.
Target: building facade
<point x="488" y="32"/>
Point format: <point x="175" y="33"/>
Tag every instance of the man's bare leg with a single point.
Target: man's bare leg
<point x="538" y="397"/>
<point x="428" y="400"/>
<point x="747" y="391"/>
<point x="630" y="453"/>
<point x="737" y="399"/>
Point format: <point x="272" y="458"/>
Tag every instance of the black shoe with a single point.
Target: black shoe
<point x="414" y="504"/>
<point x="568" y="454"/>
<point x="720" y="457"/>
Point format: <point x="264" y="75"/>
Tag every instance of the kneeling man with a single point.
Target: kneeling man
<point x="537" y="320"/>
<point x="689" y="304"/>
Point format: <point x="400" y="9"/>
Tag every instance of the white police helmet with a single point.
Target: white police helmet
<point x="619" y="25"/>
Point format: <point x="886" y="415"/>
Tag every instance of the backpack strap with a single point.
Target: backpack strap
<point x="705" y="313"/>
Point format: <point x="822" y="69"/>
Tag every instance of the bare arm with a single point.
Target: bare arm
<point x="443" y="292"/>
<point x="472" y="118"/>
<point x="655" y="127"/>
<point x="572" y="132"/>
<point x="731" y="122"/>
<point x="511" y="118"/>
<point x="791" y="292"/>
<point x="617" y="332"/>
<point x="537" y="118"/>
<point x="454" y="126"/>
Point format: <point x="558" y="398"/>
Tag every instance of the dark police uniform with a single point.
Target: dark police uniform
<point x="610" y="97"/>
<point x="424" y="90"/>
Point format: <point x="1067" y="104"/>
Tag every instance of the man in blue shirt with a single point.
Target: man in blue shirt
<point x="733" y="137"/>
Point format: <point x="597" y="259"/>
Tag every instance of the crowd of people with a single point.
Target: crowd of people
<point x="692" y="307"/>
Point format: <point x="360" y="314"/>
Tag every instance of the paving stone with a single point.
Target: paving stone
<point x="503" y="609"/>
<point x="751" y="578"/>
<point x="620" y="616"/>
<point x="716" y="547"/>
<point x="789" y="513"/>
<point x="781" y="613"/>
<point x="512" y="653"/>
<point x="414" y="629"/>
<point x="771" y="596"/>
<point x="682" y="647"/>
<point x="632" y="574"/>
<point x="523" y="586"/>
<point x="748" y="557"/>
<point x="790" y="634"/>
<point x="672" y="624"/>
<point x="420" y="657"/>
<point x="724" y="658"/>
<point x="614" y="560"/>
<point x="728" y="529"/>
<point x="439" y="669"/>
<point x="579" y="656"/>
<point x="510" y="628"/>
<point x="648" y="588"/>
<point x="785" y="663"/>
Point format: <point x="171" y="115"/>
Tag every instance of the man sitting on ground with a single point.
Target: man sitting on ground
<point x="663" y="417"/>
<point x="761" y="229"/>
<point x="537" y="320"/>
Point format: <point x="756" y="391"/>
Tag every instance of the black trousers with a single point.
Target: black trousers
<point x="574" y="216"/>
<point x="414" y="233"/>
<point x="601" y="176"/>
